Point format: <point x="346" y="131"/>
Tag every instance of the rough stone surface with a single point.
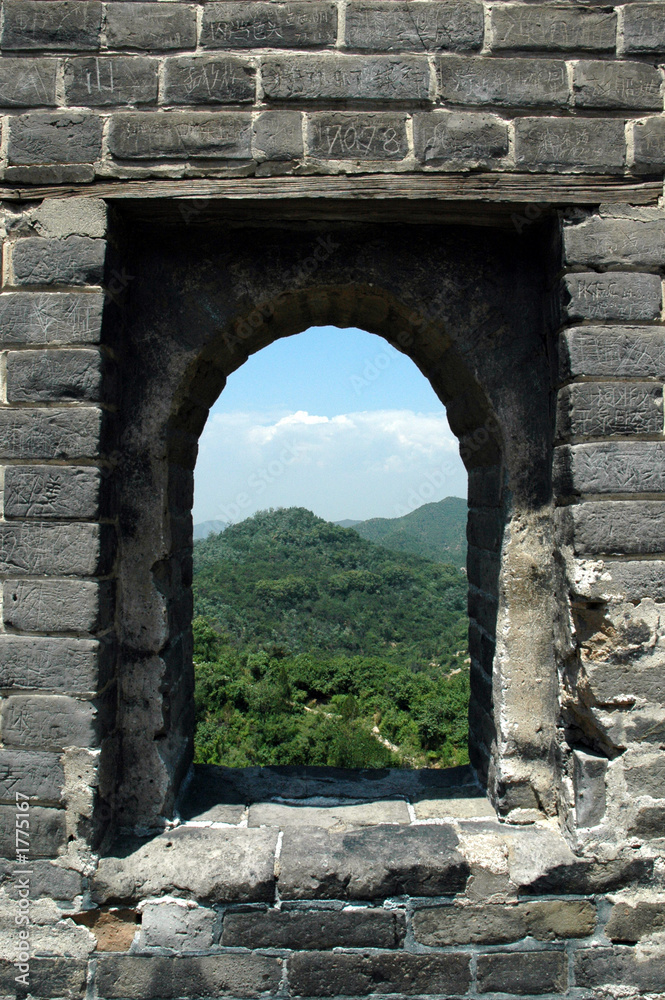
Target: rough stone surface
<point x="49" y="721"/>
<point x="532" y="973"/>
<point x="278" y="135"/>
<point x="615" y="295"/>
<point x="50" y="317"/>
<point x="66" y="137"/>
<point x="317" y="929"/>
<point x="100" y="81"/>
<point x="333" y="817"/>
<point x="459" y="139"/>
<point x="50" y="433"/>
<point x="594" y="145"/>
<point x="177" y="926"/>
<point x="71" y="665"/>
<point x="65" y="605"/>
<point x="208" y="80"/>
<point x="55" y="549"/>
<point x="49" y="491"/>
<point x="382" y="26"/>
<point x="544" y="27"/>
<point x="346" y="136"/>
<point x="212" y="866"/>
<point x="26" y="83"/>
<point x="46" y="832"/>
<point x="512" y="83"/>
<point x="48" y="879"/>
<point x="345" y="77"/>
<point x="41" y="376"/>
<point x="603" y="410"/>
<point x="618" y="965"/>
<point x="180" y="136"/>
<point x="601" y="84"/>
<point x="611" y="467"/>
<point x="233" y="975"/>
<point x="52" y="25"/>
<point x="498" y="924"/>
<point x="64" y="978"/>
<point x="150" y="26"/>
<point x="257" y="24"/>
<point x="644" y="28"/>
<point x="606" y="528"/>
<point x="629" y="923"/>
<point x="606" y="243"/>
<point x="368" y="864"/>
<point x="634" y="352"/>
<point x="75" y="260"/>
<point x="36" y="773"/>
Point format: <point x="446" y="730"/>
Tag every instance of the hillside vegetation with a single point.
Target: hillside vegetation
<point x="315" y="646"/>
<point x="435" y="531"/>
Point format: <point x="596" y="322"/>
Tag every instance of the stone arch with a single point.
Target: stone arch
<point x="456" y="317"/>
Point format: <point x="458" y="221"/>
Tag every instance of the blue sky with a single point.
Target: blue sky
<point x="333" y="420"/>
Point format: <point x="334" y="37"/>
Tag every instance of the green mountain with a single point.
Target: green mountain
<point x="314" y="646"/>
<point x="435" y="531"/>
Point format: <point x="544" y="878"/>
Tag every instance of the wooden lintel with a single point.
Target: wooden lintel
<point x="551" y="189"/>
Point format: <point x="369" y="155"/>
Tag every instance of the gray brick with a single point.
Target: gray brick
<point x="614" y="295"/>
<point x="49" y="977"/>
<point x="367" y="864"/>
<point x="177" y="926"/>
<point x="50" y="317"/>
<point x="318" y="929"/>
<point x="619" y="966"/>
<point x="254" y="24"/>
<point x="63" y="137"/>
<point x="181" y="136"/>
<point x="47" y="879"/>
<point x="506" y="83"/>
<point x="363" y="136"/>
<point x="648" y="823"/>
<point x="532" y="972"/>
<point x="484" y="529"/>
<point x="644" y="773"/>
<point x="345" y="78"/>
<point x="545" y="920"/>
<point x="338" y="974"/>
<point x="47" y="832"/>
<point x="611" y="467"/>
<point x="629" y="923"/>
<point x="55" y="549"/>
<point x="57" y="605"/>
<point x="602" y="243"/>
<point x="208" y="80"/>
<point x="42" y="376"/>
<point x="595" y="145"/>
<point x="625" y="580"/>
<point x="111" y="80"/>
<point x="236" y="975"/>
<point x="606" y="84"/>
<point x="637" y="352"/>
<point x="278" y="136"/>
<point x="75" y="666"/>
<point x="644" y="27"/>
<point x="649" y="142"/>
<point x="600" y="409"/>
<point x="589" y="773"/>
<point x="551" y="28"/>
<point x="150" y="26"/>
<point x="50" y="433"/>
<point x="44" y="491"/>
<point x="383" y="26"/>
<point x="26" y="83"/>
<point x="74" y="260"/>
<point x="36" y="773"/>
<point x="55" y="25"/>
<point x="459" y="139"/>
<point x="635" y="527"/>
<point x="48" y="722"/>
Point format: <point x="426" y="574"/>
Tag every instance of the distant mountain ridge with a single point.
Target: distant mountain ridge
<point x="434" y="531"/>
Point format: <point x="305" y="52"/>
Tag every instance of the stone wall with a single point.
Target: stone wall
<point x="481" y="184"/>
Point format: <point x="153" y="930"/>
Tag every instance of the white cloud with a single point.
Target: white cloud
<point x="365" y="464"/>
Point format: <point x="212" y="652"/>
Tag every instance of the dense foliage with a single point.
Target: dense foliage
<point x="435" y="531"/>
<point x="314" y="646"/>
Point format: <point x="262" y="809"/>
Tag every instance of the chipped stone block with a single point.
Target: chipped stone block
<point x="43" y="837"/>
<point x="33" y="772"/>
<point x="59" y="137"/>
<point x="48" y="879"/>
<point x="177" y="926"/>
<point x="649" y="142"/>
<point x="629" y="922"/>
<point x="459" y="139"/>
<point x="278" y="135"/>
<point x="589" y="772"/>
<point x="619" y="965"/>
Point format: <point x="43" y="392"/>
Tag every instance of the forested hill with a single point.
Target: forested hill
<point x="288" y="581"/>
<point x="435" y="531"/>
